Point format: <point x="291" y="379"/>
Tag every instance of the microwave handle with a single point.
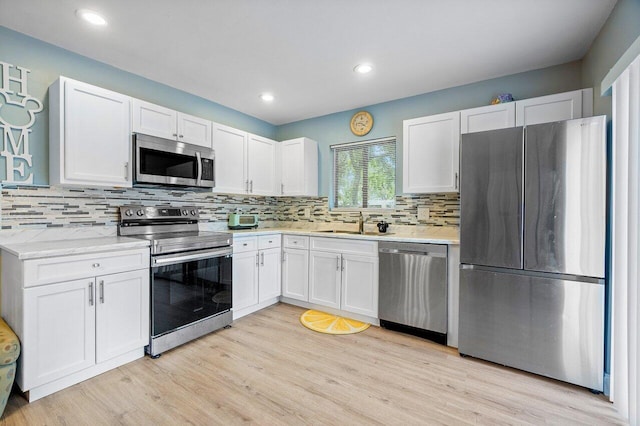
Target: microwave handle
<point x="199" y="161"/>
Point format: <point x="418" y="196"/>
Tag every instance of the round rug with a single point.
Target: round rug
<point x="323" y="322"/>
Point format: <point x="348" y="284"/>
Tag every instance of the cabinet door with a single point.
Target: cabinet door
<point x="292" y="167"/>
<point x="154" y="120"/>
<point x="360" y="284"/>
<point x="122" y="313"/>
<point x="230" y="146"/>
<point x="261" y="165"/>
<point x="547" y="109"/>
<point x="96" y="136"/>
<point x="245" y="280"/>
<point x="269" y="274"/>
<point x="324" y="278"/>
<point x="194" y="130"/>
<point x="295" y="274"/>
<point x="59" y="331"/>
<point x="490" y="117"/>
<point x="430" y="154"/>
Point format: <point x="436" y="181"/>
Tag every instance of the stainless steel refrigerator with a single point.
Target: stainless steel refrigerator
<point x="532" y="247"/>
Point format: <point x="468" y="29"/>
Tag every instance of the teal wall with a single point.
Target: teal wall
<point x="48" y="62"/>
<point x="388" y="116"/>
<point x="620" y="30"/>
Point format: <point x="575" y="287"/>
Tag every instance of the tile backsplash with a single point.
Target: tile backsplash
<point x="40" y="207"/>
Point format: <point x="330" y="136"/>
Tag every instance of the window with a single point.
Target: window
<point x="364" y="174"/>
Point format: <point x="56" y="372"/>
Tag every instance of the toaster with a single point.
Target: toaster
<point x="242" y="221"/>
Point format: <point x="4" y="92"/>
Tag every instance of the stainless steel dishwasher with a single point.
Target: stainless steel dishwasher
<point x="413" y="289"/>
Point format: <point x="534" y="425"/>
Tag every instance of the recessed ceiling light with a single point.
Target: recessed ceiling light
<point x="267" y="97"/>
<point x="363" y="68"/>
<point x="91" y="17"/>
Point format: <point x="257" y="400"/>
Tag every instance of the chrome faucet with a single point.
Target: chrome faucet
<point x="361" y="224"/>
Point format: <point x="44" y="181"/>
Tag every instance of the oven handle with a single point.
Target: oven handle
<point x="171" y="259"/>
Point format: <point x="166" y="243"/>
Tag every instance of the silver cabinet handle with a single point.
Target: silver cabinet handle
<point x="262" y="258"/>
<point x="342" y="262"/>
<point x="282" y="188"/>
<point x="101" y="291"/>
<point x="295" y="242"/>
<point x="257" y="259"/>
<point x="457" y="180"/>
<point x="182" y="136"/>
<point x="246" y="184"/>
<point x="244" y="244"/>
<point x="284" y="256"/>
<point x="251" y="183"/>
<point x="338" y="263"/>
<point x="96" y="265"/>
<point x="91" y="294"/>
<point x="175" y="134"/>
<point x="126" y="170"/>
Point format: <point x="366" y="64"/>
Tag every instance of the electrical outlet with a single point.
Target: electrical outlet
<point x="307" y="212"/>
<point x="423" y="213"/>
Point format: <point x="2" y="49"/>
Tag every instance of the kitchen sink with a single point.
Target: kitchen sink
<point x="337" y="231"/>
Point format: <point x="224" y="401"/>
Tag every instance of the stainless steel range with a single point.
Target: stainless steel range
<point x="190" y="273"/>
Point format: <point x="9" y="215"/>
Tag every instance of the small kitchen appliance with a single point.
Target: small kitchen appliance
<point x="191" y="273"/>
<point x="242" y="221"/>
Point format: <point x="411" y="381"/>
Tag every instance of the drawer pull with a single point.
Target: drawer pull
<point x="96" y="265"/>
<point x="91" y="294"/>
<point x="270" y="241"/>
<point x="244" y="244"/>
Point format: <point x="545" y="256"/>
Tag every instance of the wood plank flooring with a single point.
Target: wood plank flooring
<point x="268" y="369"/>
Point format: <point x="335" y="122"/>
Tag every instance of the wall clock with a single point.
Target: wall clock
<point x="361" y="123"/>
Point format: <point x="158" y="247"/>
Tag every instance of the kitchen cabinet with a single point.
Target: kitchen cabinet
<point x="261" y="165"/>
<point x="556" y="107"/>
<point x="295" y="267"/>
<point x="89" y="135"/>
<point x="430" y="154"/>
<point x="156" y="120"/>
<point x="76" y="316"/>
<point x="299" y="159"/>
<point x="489" y="117"/>
<point x="256" y="273"/>
<point x="343" y="274"/>
<point x="245" y="163"/>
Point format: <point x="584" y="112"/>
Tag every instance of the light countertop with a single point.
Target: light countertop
<point x="40" y="249"/>
<point x="432" y="234"/>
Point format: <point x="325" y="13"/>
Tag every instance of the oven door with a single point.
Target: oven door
<point x="188" y="287"/>
<point x="161" y="161"/>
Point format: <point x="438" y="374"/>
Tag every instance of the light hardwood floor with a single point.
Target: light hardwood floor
<point x="268" y="369"/>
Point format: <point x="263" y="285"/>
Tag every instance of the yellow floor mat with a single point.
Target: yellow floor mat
<point x="331" y="324"/>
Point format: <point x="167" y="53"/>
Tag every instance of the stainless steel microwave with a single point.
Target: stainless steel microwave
<point x="166" y="162"/>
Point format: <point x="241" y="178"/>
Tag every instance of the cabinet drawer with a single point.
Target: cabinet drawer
<point x="268" y="241"/>
<point x="244" y="244"/>
<point x="64" y="268"/>
<point x="296" y="241"/>
<point x="343" y="245"/>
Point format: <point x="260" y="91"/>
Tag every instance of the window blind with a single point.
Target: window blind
<point x="364" y="174"/>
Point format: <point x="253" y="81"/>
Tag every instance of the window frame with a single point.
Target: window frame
<point x="334" y="187"/>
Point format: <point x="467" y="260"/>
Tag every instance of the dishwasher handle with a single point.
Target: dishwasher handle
<point x="414" y="252"/>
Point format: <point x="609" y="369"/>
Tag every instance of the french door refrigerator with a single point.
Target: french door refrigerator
<point x="532" y="247"/>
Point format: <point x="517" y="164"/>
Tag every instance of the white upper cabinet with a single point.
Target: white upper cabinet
<point x="230" y="146"/>
<point x="261" y="165"/>
<point x="557" y="107"/>
<point x="90" y="134"/>
<point x="299" y="167"/>
<point x="430" y="154"/>
<point x="156" y="120"/>
<point x="490" y="117"/>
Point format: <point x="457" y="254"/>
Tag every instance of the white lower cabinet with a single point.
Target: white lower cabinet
<point x="295" y="273"/>
<point x="73" y="329"/>
<point x="256" y="273"/>
<point x="343" y="274"/>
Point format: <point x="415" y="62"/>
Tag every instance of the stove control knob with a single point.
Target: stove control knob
<point x="128" y="212"/>
<point x="193" y="212"/>
<point x="140" y="212"/>
<point x="184" y="212"/>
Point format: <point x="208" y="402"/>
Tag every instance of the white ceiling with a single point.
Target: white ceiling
<point x="304" y="51"/>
